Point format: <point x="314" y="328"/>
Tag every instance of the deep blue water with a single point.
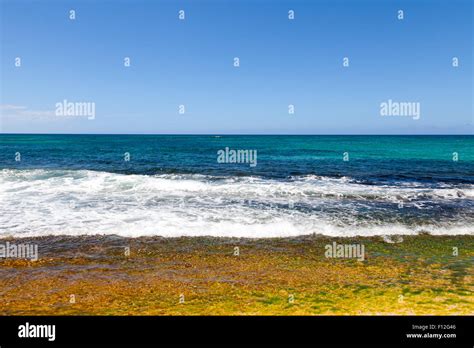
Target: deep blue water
<point x="424" y="158"/>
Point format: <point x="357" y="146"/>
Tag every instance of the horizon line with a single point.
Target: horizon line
<point x="249" y="134"/>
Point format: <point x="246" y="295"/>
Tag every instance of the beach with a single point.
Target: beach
<point x="112" y="275"/>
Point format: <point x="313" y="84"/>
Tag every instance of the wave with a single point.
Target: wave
<point x="41" y="202"/>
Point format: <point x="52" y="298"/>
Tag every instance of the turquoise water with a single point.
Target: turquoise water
<point x="177" y="185"/>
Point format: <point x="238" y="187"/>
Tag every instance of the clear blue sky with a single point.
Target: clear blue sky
<point x="282" y="62"/>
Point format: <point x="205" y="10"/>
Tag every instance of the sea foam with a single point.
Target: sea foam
<point x="41" y="202"/>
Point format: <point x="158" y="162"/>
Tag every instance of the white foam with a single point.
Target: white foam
<point x="44" y="202"/>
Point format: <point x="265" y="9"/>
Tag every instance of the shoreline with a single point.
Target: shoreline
<point x="94" y="275"/>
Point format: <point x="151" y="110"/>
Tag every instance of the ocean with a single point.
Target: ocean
<point x="174" y="185"/>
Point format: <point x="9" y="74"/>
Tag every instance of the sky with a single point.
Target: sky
<point x="190" y="62"/>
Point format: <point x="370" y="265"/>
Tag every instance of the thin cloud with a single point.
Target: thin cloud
<point x="11" y="107"/>
<point x="20" y="111"/>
